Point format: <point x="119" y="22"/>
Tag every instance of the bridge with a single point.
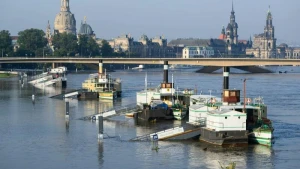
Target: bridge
<point x="210" y="62"/>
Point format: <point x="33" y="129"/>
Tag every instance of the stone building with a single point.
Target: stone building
<point x="65" y="20"/>
<point x="218" y="45"/>
<point x="144" y="47"/>
<point x="197" y="51"/>
<point x="228" y="42"/>
<point x="264" y="44"/>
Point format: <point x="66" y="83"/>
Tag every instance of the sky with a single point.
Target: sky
<point x="170" y="18"/>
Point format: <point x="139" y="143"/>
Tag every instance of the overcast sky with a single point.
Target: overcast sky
<point x="171" y="18"/>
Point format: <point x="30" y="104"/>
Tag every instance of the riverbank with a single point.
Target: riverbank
<point x="6" y="75"/>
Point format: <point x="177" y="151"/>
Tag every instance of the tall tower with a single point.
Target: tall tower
<point x="232" y="29"/>
<point x="48" y="31"/>
<point x="65" y="20"/>
<point x="269" y="36"/>
<point x="234" y="26"/>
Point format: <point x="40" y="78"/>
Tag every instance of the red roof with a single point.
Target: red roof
<point x="222" y="37"/>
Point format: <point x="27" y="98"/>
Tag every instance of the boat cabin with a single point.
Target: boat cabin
<point x="226" y="120"/>
<point x="231" y="96"/>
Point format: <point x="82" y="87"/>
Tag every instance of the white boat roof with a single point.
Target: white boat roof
<point x="238" y="106"/>
<point x="223" y="111"/>
<point x="196" y="106"/>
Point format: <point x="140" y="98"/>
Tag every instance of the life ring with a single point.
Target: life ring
<point x="248" y="100"/>
<point x="213" y="100"/>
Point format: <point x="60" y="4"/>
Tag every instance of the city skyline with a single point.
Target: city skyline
<point x="173" y="19"/>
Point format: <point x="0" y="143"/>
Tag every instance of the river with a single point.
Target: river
<point x="36" y="136"/>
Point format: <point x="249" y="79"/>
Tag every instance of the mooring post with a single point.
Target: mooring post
<point x="136" y="118"/>
<point x="226" y="71"/>
<point x="166" y="71"/>
<point x="100" y="121"/>
<point x="67" y="116"/>
<point x="100" y="66"/>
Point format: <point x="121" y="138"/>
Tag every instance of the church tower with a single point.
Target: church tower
<point x="269" y="32"/>
<point x="232" y="29"/>
<point x="65" y="20"/>
<point x="48" y="31"/>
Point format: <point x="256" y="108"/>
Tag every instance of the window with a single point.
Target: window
<point x="232" y="93"/>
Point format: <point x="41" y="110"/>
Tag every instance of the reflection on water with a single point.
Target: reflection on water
<point x="32" y="133"/>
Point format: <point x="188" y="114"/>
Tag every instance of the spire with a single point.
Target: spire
<point x="48" y="26"/>
<point x="232" y="9"/>
<point x="223" y="30"/>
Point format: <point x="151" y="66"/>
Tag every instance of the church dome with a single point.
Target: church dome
<point x="65" y="20"/>
<point x="85" y="29"/>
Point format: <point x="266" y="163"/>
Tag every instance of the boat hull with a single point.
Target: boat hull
<point x="109" y="95"/>
<point x="224" y="138"/>
<point x="179" y="114"/>
<point x="263" y="137"/>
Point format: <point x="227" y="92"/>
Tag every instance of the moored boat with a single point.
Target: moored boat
<point x="104" y="85"/>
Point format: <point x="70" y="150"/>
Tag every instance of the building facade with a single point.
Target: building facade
<point x="144" y="47"/>
<point x="65" y="20"/>
<point x="197" y="51"/>
<point x="264" y="44"/>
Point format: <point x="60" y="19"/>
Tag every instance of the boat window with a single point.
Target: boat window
<point x="225" y="117"/>
<point x="232" y="93"/>
<point x="226" y="93"/>
<point x="239" y="117"/>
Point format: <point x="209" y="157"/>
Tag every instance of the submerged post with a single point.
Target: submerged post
<point x="226" y="71"/>
<point x="100" y="66"/>
<point x="166" y="71"/>
<point x="67" y="116"/>
<point x="100" y="121"/>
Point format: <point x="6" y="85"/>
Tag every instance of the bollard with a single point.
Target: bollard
<point x="100" y="121"/>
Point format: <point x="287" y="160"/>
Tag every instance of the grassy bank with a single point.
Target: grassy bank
<point x="5" y="75"/>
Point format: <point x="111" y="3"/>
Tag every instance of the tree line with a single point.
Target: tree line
<point x="32" y="42"/>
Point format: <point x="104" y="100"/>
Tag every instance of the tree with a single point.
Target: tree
<point x="5" y="43"/>
<point x="88" y="46"/>
<point x="106" y="49"/>
<point x="93" y="47"/>
<point x="65" y="44"/>
<point x="31" y="40"/>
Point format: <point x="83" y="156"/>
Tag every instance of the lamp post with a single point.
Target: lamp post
<point x="2" y="52"/>
<point x="244" y="96"/>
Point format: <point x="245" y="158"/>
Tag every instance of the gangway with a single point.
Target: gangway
<point x="112" y="112"/>
<point x="68" y="94"/>
<point x="176" y="133"/>
<point x="39" y="80"/>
